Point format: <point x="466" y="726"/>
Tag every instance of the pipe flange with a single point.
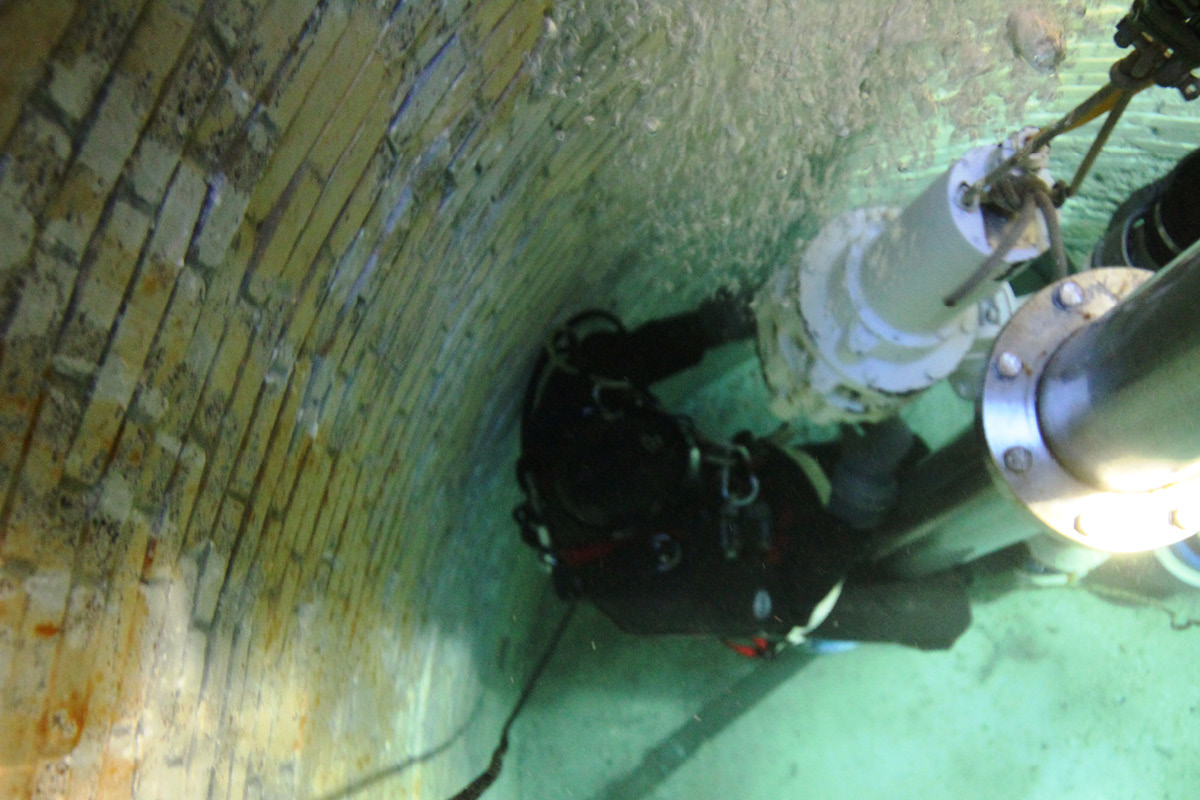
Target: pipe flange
<point x="1117" y="522"/>
<point x="825" y="356"/>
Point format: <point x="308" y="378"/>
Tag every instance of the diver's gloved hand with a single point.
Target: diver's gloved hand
<point x="727" y="316"/>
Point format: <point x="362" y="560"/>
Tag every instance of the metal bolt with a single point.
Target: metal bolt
<point x="966" y="198"/>
<point x="1069" y="295"/>
<point x="1185" y="519"/>
<point x="762" y="604"/>
<point x="1009" y="365"/>
<point x="1018" y="459"/>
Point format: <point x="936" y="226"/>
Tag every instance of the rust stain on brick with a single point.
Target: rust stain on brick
<point x="46" y="629"/>
<point x="157" y="277"/>
<point x="16" y="402"/>
<point x="298" y="744"/>
<point x="311" y="91"/>
<point x="60" y="727"/>
<point x="148" y="558"/>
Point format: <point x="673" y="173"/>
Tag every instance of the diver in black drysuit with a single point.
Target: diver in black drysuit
<point x="668" y="532"/>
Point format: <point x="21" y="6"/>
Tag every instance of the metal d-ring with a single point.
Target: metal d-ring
<point x="751" y="495"/>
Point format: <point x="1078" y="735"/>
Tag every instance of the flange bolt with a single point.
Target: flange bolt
<point x="1018" y="459"/>
<point x="1009" y="365"/>
<point x="1069" y="295"/>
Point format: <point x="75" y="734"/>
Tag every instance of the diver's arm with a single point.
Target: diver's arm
<point x="662" y="347"/>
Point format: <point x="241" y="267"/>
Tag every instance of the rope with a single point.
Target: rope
<point x="1009" y="237"/>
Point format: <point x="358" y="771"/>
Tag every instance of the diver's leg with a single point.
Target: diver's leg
<point x="930" y="613"/>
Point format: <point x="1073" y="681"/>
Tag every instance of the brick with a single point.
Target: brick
<point x="326" y="522"/>
<point x="361" y="112"/>
<point x="103" y="285"/>
<point x="231" y="697"/>
<point x="29" y="30"/>
<point x="60" y="416"/>
<point x="204" y="747"/>
<point x="93" y="767"/>
<point x="163" y="765"/>
<point x="239" y="128"/>
<point x="37" y="154"/>
<point x="144" y="622"/>
<point x="228" y="526"/>
<point x="237" y="758"/>
<point x="186" y="94"/>
<point x="21" y="704"/>
<point x="338" y="527"/>
<point x="322" y="100"/>
<point x="72" y="215"/>
<point x="221" y="219"/>
<point x="151" y="167"/>
<point x="344" y="176"/>
<point x="100" y="31"/>
<point x="224" y="371"/>
<point x="297" y="524"/>
<point x="482" y="18"/>
<point x="177" y="504"/>
<point x="66" y="705"/>
<point x="267" y="492"/>
<point x="73" y="85"/>
<point x="114" y="132"/>
<point x="300" y="70"/>
<point x="187" y="379"/>
<point x="225" y="451"/>
<point x="143" y="313"/>
<point x="274" y="35"/>
<point x="189" y="684"/>
<point x="111" y="651"/>
<point x="177" y="216"/>
<point x="435" y="79"/>
<point x="100" y="427"/>
<point x="27" y="338"/>
<point x="157" y="42"/>
<point x="231" y="19"/>
<point x="279" y="231"/>
<point x="222" y="125"/>
<point x="258" y="437"/>
<point x="505" y="48"/>
<point x="16" y="236"/>
<point x="370" y="186"/>
<point x="13" y="602"/>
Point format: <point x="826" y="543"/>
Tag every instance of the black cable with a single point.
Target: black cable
<point x="486" y="778"/>
<point x="662" y="760"/>
<point x="364" y="783"/>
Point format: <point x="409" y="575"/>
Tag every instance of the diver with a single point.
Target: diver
<point x="667" y="531"/>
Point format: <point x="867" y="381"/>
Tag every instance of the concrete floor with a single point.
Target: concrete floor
<point x="1052" y="693"/>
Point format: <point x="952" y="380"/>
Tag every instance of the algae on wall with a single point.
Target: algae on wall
<point x="734" y="121"/>
<point x="733" y="129"/>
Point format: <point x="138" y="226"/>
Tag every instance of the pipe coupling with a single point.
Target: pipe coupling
<point x="1021" y="458"/>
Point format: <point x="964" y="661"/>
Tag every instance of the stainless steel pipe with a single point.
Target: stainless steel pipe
<point x="1119" y="402"/>
<point x="1089" y="426"/>
<point x="951" y="511"/>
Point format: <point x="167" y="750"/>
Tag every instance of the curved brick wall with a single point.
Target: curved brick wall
<point x="271" y="273"/>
